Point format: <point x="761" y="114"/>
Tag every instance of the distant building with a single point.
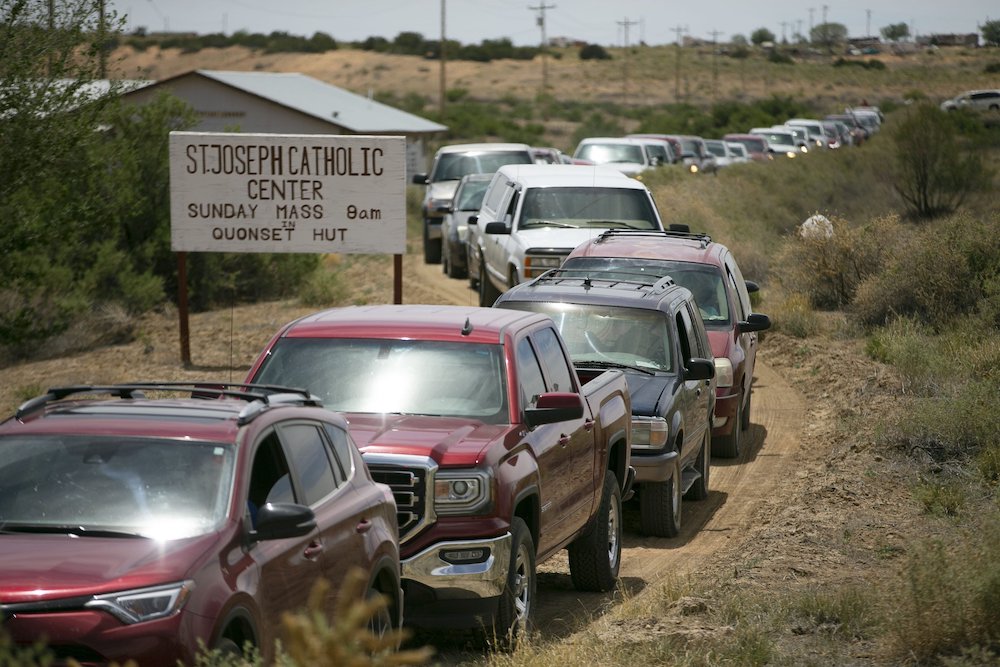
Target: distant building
<point x="967" y="39"/>
<point x="289" y="103"/>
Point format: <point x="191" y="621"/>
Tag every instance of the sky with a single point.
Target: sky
<point x="609" y="23"/>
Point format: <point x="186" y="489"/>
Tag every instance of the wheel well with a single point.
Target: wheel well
<point x="239" y="629"/>
<point x="617" y="460"/>
<point x="386" y="584"/>
<point x="511" y="275"/>
<point x="527" y="510"/>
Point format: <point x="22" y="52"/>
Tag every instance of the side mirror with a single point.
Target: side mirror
<point x="278" y="521"/>
<point x="496" y="228"/>
<point x="420" y="179"/>
<point x="751" y="286"/>
<point x="755" y="322"/>
<point x="474" y="219"/>
<point x="699" y="369"/>
<point x="555" y="407"/>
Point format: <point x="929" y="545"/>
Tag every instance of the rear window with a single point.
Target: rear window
<point x="622" y="208"/>
<point x="611" y="153"/>
<point x="453" y="166"/>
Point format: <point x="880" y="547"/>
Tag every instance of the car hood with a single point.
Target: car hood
<point x="50" y="567"/>
<point x="646" y="391"/>
<point x="449" y="441"/>
<point x="558" y="237"/>
<point x="627" y="168"/>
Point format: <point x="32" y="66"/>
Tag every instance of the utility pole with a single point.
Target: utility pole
<point x="625" y="26"/>
<point x="544" y="48"/>
<point x="798" y="29"/>
<point x="784" y="38"/>
<point x="677" y="64"/>
<point x="868" y="23"/>
<point x="444" y="56"/>
<point x="811" y="10"/>
<point x="715" y="62"/>
<point x="102" y="39"/>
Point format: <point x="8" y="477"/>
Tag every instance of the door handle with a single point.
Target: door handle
<point x="313" y="551"/>
<point x="588" y="424"/>
<point x="563" y="440"/>
<point x="363" y="526"/>
<point x="697" y="392"/>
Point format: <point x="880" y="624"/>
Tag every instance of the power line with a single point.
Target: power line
<point x="544" y="44"/>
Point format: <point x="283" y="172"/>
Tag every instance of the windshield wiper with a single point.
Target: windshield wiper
<point x="550" y="223"/>
<point x="611" y="364"/>
<point x="11" y="529"/>
<point x="610" y="223"/>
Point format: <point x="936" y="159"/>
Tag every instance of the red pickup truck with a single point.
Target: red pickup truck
<point x="498" y="454"/>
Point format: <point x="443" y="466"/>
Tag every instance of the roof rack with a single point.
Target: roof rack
<point x="614" y="277"/>
<point x="675" y="231"/>
<point x="258" y="396"/>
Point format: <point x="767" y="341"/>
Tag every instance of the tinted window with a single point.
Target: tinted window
<point x="529" y="372"/>
<point x="453" y="166"/>
<point x="308" y="453"/>
<point x="555" y="361"/>
<point x="470" y="195"/>
<point x="494" y="194"/>
<point x="343" y="454"/>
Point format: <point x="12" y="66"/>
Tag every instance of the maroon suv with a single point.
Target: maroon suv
<point x="710" y="271"/>
<point x="135" y="528"/>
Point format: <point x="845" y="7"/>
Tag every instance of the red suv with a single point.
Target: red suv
<point x="710" y="271"/>
<point x="135" y="528"/>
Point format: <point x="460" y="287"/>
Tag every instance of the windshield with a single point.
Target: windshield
<point x="453" y="166"/>
<point x="780" y="138"/>
<point x="611" y="153"/>
<point x="470" y="195"/>
<point x="754" y="145"/>
<point x="633" y="337"/>
<point x="703" y="280"/>
<point x="148" y="487"/>
<point x="658" y="152"/>
<point x="588" y="207"/>
<point x="394" y="376"/>
<point x="715" y="148"/>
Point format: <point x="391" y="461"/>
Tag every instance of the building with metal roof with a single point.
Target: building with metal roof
<point x="289" y="103"/>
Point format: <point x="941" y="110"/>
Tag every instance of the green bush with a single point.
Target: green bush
<point x="941" y="272"/>
<point x="594" y="52"/>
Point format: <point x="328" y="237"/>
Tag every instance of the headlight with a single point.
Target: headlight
<point x="804" y="149"/>
<point x="790" y="153"/>
<point x="461" y="492"/>
<point x="694" y="169"/>
<point x="435" y="207"/>
<point x="649" y="432"/>
<point x="723" y="372"/>
<point x="143" y="604"/>
<point x="536" y="265"/>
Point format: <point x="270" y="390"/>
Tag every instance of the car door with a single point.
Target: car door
<point x="289" y="567"/>
<point x="550" y="452"/>
<point x="495" y="246"/>
<point x="740" y="297"/>
<point x="696" y="396"/>
<point x="342" y="513"/>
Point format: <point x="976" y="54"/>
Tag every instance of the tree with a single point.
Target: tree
<point x="932" y="173"/>
<point x="991" y="32"/>
<point x="594" y="52"/>
<point x="896" y="32"/>
<point x="761" y="35"/>
<point x="829" y="35"/>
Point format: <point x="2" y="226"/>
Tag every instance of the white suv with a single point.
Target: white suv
<point x="974" y="99"/>
<point x="450" y="164"/>
<point x="533" y="216"/>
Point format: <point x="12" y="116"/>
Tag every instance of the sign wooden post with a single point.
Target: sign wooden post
<point x="311" y="193"/>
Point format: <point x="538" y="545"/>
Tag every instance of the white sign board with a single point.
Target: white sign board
<point x="309" y="193"/>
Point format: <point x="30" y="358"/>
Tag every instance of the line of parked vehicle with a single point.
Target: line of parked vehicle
<point x="443" y="451"/>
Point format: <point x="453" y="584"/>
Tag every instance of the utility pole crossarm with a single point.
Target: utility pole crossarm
<point x="544" y="47"/>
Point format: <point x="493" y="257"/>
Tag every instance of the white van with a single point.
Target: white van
<point x="817" y="135"/>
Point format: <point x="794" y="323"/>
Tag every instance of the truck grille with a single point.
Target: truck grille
<point x="409" y="488"/>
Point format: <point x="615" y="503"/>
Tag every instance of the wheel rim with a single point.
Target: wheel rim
<point x="614" y="535"/>
<point x="522" y="587"/>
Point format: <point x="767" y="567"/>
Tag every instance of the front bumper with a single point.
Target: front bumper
<point x="656" y="467"/>
<point x="433" y="226"/>
<point x="725" y="414"/>
<point x="442" y="594"/>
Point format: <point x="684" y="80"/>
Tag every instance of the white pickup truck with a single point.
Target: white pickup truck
<point x="532" y="216"/>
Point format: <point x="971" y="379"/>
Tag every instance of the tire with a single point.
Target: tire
<point x="745" y="422"/>
<point x="454" y="271"/>
<point x="473" y="277"/>
<point x="513" y="620"/>
<point x="660" y="505"/>
<point x="595" y="557"/>
<point x="512" y="278"/>
<point x="432" y="247"/>
<point x="445" y="257"/>
<point x="381" y="623"/>
<point x="728" y="446"/>
<point x="699" y="490"/>
<point x="227" y="647"/>
<point x="488" y="294"/>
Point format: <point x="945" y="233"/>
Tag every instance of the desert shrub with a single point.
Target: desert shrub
<point x="956" y="424"/>
<point x="828" y="270"/>
<point x="845" y="611"/>
<point x="322" y="289"/>
<point x="779" y="57"/>
<point x="944" y="271"/>
<point x="950" y="598"/>
<point x="594" y="52"/>
<point x="992" y="68"/>
<point x="933" y="171"/>
<point x="794" y="316"/>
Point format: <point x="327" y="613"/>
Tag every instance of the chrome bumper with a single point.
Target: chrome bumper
<point x="485" y="579"/>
